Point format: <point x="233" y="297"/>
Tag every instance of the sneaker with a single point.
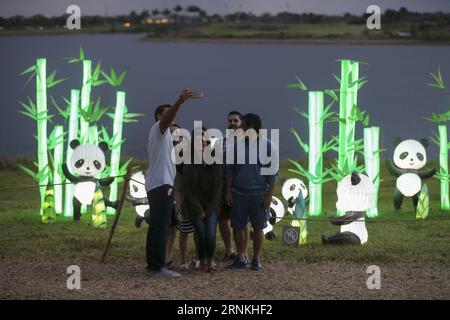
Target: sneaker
<point x="238" y="264"/>
<point x="229" y="257"/>
<point x="164" y="272"/>
<point x="256" y="265"/>
<point x="169" y="265"/>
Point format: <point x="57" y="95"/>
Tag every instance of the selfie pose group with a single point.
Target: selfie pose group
<point x="196" y="196"/>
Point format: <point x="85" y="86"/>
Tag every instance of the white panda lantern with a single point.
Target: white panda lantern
<point x="291" y="190"/>
<point x="355" y="193"/>
<point x="276" y="214"/>
<point x="138" y="198"/>
<point x="88" y="162"/>
<point x="408" y="161"/>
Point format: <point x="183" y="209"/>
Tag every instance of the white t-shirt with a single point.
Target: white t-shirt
<point x="161" y="168"/>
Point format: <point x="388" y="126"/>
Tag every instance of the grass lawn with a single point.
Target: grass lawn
<point x="22" y="233"/>
<point x="414" y="256"/>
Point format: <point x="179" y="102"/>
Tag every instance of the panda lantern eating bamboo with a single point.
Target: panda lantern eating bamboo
<point x="407" y="166"/>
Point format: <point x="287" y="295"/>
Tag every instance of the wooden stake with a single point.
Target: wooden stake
<point x="117" y="216"/>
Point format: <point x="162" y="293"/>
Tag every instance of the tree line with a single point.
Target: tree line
<point x="194" y="14"/>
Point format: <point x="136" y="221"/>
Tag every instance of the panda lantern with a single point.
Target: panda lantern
<point x="408" y="160"/>
<point x="138" y="198"/>
<point x="355" y="195"/>
<point x="88" y="162"/>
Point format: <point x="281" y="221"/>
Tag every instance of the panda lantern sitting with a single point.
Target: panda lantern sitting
<point x="88" y="162"/>
<point x="408" y="160"/>
<point x="355" y="195"/>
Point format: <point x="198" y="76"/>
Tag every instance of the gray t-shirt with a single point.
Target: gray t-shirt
<point x="161" y="168"/>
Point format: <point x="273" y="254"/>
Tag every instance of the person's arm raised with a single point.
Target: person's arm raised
<point x="170" y="114"/>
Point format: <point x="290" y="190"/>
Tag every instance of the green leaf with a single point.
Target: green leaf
<point x="113" y="75"/>
<point x="111" y="115"/>
<point x="297" y="85"/>
<point x="133" y="115"/>
<point x="28" y="115"/>
<point x="51" y="77"/>
<point x="337" y="78"/>
<point x="108" y="78"/>
<point x="121" y="77"/>
<point x="361" y="84"/>
<point x="301" y="113"/>
<point x="332" y="94"/>
<point x="28" y="171"/>
<point x="81" y="53"/>
<point x="56" y="82"/>
<point x="72" y="60"/>
<point x="302" y="85"/>
<point x="29" y="79"/>
<point x="302" y="144"/>
<point x="28" y="70"/>
<point x="65" y="114"/>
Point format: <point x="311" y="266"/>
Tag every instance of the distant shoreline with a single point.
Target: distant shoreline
<point x="318" y="41"/>
<point x="236" y="40"/>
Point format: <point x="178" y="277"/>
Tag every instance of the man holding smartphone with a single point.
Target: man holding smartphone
<point x="158" y="184"/>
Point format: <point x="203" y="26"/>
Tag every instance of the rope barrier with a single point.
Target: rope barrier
<point x="371" y="220"/>
<point x="52" y="184"/>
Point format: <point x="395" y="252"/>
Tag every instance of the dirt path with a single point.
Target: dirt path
<point x="46" y="280"/>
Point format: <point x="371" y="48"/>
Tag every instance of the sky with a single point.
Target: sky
<point x="115" y="7"/>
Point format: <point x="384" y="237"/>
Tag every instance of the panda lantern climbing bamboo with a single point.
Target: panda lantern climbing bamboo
<point x="408" y="161"/>
<point x="88" y="161"/>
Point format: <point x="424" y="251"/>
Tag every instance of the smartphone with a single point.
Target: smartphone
<point x="197" y="93"/>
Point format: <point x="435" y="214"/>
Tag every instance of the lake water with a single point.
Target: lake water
<point x="249" y="78"/>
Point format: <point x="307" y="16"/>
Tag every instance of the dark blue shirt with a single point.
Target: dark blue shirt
<point x="247" y="177"/>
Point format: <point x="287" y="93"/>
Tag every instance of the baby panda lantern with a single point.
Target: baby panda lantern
<point x="88" y="162"/>
<point x="291" y="189"/>
<point x="355" y="195"/>
<point x="138" y="198"/>
<point x="407" y="166"/>
<point x="276" y="214"/>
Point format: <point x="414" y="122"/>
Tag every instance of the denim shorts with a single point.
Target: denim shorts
<point x="248" y="208"/>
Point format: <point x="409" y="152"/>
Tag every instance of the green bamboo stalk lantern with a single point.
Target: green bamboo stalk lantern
<point x="41" y="107"/>
<point x="442" y="141"/>
<point x="315" y="148"/>
<point x="119" y="115"/>
<point x="85" y="100"/>
<point x="343" y="106"/>
<point x="315" y="158"/>
<point x="93" y="134"/>
<point x="352" y="98"/>
<point x="72" y="135"/>
<point x="443" y="167"/>
<point x="348" y="92"/>
<point x="372" y="163"/>
<point x="58" y="178"/>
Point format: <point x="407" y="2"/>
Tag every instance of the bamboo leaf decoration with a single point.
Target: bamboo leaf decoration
<point x="81" y="57"/>
<point x="299" y="140"/>
<point x="113" y="79"/>
<point x="297" y="85"/>
<point x="438" y="80"/>
<point x="30" y="109"/>
<point x="33" y="70"/>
